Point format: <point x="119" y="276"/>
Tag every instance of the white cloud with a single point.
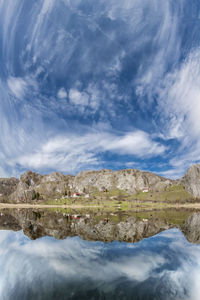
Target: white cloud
<point x="181" y="97"/>
<point x="173" y="173"/>
<point x="168" y="41"/>
<point x="78" y="98"/>
<point x="136" y="143"/>
<point x="179" y="111"/>
<point x="62" y="94"/>
<point x="74" y="152"/>
<point x="17" y="86"/>
<point x="95" y="96"/>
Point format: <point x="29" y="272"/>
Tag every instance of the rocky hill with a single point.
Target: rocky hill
<point x="33" y="187"/>
<point x="191" y="180"/>
<point x="129" y="180"/>
<point x="7" y="187"/>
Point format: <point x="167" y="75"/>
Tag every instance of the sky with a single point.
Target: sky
<point x="87" y="84"/>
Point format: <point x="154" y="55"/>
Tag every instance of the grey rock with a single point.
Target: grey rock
<point x="44" y="186"/>
<point x="129" y="180"/>
<point x="33" y="186"/>
<point x="191" y="180"/>
<point x="25" y="191"/>
<point x="7" y="187"/>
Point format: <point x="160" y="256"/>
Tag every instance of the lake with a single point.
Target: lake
<point x="61" y="255"/>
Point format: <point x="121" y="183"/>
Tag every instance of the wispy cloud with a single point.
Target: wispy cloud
<point x="75" y="152"/>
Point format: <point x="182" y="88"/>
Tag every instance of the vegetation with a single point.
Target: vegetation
<point x="174" y="193"/>
<point x="121" y="200"/>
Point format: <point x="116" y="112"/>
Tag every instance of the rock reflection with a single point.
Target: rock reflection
<point x="94" y="227"/>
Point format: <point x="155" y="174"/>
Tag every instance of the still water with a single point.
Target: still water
<point x="164" y="266"/>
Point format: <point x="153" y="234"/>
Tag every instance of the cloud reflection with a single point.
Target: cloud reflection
<point x="162" y="267"/>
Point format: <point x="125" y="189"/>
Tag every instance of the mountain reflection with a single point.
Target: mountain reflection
<point x="100" y="226"/>
<point x="165" y="266"/>
<point x="94" y="226"/>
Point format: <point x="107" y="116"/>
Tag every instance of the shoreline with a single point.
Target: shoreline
<point x="78" y="206"/>
<point x="19" y="205"/>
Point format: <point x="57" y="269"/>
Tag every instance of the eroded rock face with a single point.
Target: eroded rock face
<point x="129" y="180"/>
<point x="25" y="191"/>
<point x="53" y="185"/>
<point x="7" y="187"/>
<point x="191" y="180"/>
<point x="33" y="187"/>
<point x="191" y="228"/>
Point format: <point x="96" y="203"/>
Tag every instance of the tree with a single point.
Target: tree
<point x="37" y="196"/>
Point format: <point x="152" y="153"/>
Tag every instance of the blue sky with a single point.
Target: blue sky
<point x="99" y="84"/>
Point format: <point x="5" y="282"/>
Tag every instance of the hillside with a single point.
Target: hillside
<point x="128" y="183"/>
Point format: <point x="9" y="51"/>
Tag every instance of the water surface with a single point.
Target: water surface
<point x="163" y="266"/>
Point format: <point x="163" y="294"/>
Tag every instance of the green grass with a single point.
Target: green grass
<point x="172" y="216"/>
<point x="120" y="200"/>
<point x="175" y="193"/>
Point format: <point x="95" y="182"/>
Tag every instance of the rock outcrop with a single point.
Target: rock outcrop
<point x="129" y="180"/>
<point x="7" y="187"/>
<point x="25" y="191"/>
<point x="33" y="186"/>
<point x="191" y="180"/>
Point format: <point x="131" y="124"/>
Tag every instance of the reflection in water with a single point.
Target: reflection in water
<point x="165" y="266"/>
<point x="94" y="226"/>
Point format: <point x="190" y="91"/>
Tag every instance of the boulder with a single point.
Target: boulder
<point x="191" y="180"/>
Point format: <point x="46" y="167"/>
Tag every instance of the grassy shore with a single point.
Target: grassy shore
<point x="138" y="206"/>
<point x="173" y="197"/>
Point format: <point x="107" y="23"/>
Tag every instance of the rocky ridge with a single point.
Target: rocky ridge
<point x="191" y="180"/>
<point x="7" y="187"/>
<point x="33" y="187"/>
